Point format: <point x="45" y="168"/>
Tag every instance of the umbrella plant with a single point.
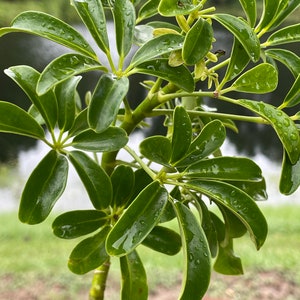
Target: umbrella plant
<point x="178" y="176"/>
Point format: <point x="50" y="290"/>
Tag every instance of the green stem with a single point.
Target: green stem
<point x="99" y="282"/>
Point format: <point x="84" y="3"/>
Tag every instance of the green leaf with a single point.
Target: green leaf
<point x="138" y="220"/>
<point x="65" y="67"/>
<point x="122" y="180"/>
<point x="112" y="139"/>
<point x="289" y="34"/>
<point x="243" y="32"/>
<point x="197" y="261"/>
<point x="259" y="80"/>
<point x="134" y="278"/>
<point x="225" y="168"/>
<point x="164" y="240"/>
<point x="66" y="102"/>
<point x="13" y="119"/>
<point x="156" y="47"/>
<point x="180" y="75"/>
<point x="293" y="96"/>
<point x="207" y="142"/>
<point x="106" y="100"/>
<point x="241" y="204"/>
<point x="148" y="10"/>
<point x="93" y="16"/>
<point x="77" y="223"/>
<point x="288" y="58"/>
<point x="27" y="78"/>
<point x="171" y="8"/>
<point x="96" y="182"/>
<point x="80" y="123"/>
<point x="89" y="254"/>
<point x="182" y="133"/>
<point x="44" y="187"/>
<point x="124" y="17"/>
<point x="249" y="7"/>
<point x="290" y="176"/>
<point x="51" y="28"/>
<point x="198" y="42"/>
<point x="270" y="10"/>
<point x="282" y="124"/>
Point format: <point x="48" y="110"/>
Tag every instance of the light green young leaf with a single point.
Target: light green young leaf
<point x="49" y="27"/>
<point x="249" y="7"/>
<point x="171" y="8"/>
<point x="44" y="187"/>
<point x="148" y="10"/>
<point x="289" y="34"/>
<point x="63" y="68"/>
<point x="15" y="120"/>
<point x="293" y="96"/>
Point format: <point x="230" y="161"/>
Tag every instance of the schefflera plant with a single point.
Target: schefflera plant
<point x="180" y="176"/>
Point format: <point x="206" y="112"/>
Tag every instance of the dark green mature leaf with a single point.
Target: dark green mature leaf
<point x="198" y="42"/>
<point x="138" y="220"/>
<point x="164" y="240"/>
<point x="106" y="100"/>
<point x="148" y="10"/>
<point x="197" y="261"/>
<point x="180" y="76"/>
<point x="156" y="47"/>
<point x="259" y="80"/>
<point x="289" y="34"/>
<point x="66" y="102"/>
<point x="80" y="123"/>
<point x="51" y="28"/>
<point x="124" y="17"/>
<point x="65" y="67"/>
<point x="77" y="223"/>
<point x="93" y="16"/>
<point x="96" y="182"/>
<point x="249" y="7"/>
<point x="243" y="32"/>
<point x="27" y="78"/>
<point x="270" y="10"/>
<point x="112" y="139"/>
<point x="89" y="254"/>
<point x="13" y="119"/>
<point x="134" y="278"/>
<point x="281" y="122"/>
<point x="171" y="8"/>
<point x="238" y="202"/>
<point x="293" y="96"/>
<point x="225" y="168"/>
<point x="44" y="187"/>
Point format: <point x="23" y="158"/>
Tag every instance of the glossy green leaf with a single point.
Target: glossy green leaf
<point x="77" y="223"/>
<point x="123" y="181"/>
<point x="282" y="124"/>
<point x="112" y="139"/>
<point x="124" y="17"/>
<point x="89" y="254"/>
<point x="198" y="42"/>
<point x="80" y="123"/>
<point x="63" y="68"/>
<point x="106" y="100"/>
<point x="290" y="176"/>
<point x="180" y="76"/>
<point x="293" y="96"/>
<point x="197" y="261"/>
<point x="165" y="25"/>
<point x="289" y="34"/>
<point x="249" y="7"/>
<point x="259" y="80"/>
<point x="138" y="220"/>
<point x="134" y="278"/>
<point x="156" y="47"/>
<point x="44" y="187"/>
<point x="243" y="32"/>
<point x="208" y="141"/>
<point x="164" y="240"/>
<point x="66" y="102"/>
<point x="157" y="149"/>
<point x="239" y="203"/>
<point x="96" y="182"/>
<point x="182" y="133"/>
<point x="270" y="10"/>
<point x="171" y="8"/>
<point x="27" y="78"/>
<point x="148" y="10"/>
<point x="225" y="168"/>
<point x="93" y="16"/>
<point x="49" y="27"/>
<point x="13" y="119"/>
<point x="287" y="57"/>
